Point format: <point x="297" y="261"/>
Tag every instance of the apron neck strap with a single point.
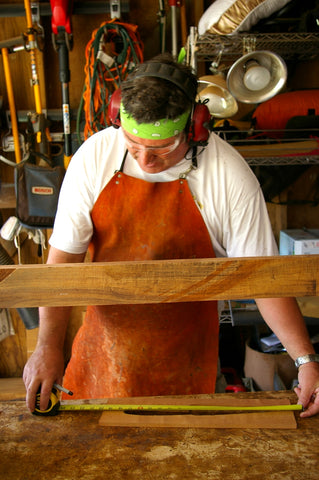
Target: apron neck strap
<point x="123" y="162"/>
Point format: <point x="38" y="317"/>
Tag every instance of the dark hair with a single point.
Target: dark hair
<point x="149" y="98"/>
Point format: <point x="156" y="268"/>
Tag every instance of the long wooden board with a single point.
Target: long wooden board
<point x="274" y="420"/>
<point x="271" y="420"/>
<point x="158" y="281"/>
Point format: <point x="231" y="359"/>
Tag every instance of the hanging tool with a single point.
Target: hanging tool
<point x="62" y="40"/>
<point x="174" y="4"/>
<point x="8" y="46"/>
<point x="55" y="407"/>
<point x="191" y="59"/>
<point x="13" y="113"/>
<point x="40" y="124"/>
<point x="162" y="25"/>
<point x="18" y="139"/>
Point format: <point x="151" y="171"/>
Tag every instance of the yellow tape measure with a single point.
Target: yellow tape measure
<point x="178" y="408"/>
<point x="55" y="407"/>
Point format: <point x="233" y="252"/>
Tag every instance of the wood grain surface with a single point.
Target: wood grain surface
<point x="231" y="419"/>
<point x="158" y="281"/>
<point x="73" y="446"/>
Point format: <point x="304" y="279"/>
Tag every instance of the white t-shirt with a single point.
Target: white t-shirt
<point x="225" y="190"/>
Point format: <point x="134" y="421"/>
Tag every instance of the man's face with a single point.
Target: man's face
<point x="154" y="156"/>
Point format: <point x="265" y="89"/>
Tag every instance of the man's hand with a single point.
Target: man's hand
<point x="44" y="368"/>
<point x="308" y="388"/>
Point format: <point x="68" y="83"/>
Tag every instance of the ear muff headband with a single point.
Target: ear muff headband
<point x="169" y="73"/>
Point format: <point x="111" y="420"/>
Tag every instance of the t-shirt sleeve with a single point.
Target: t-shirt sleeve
<point x="250" y="233"/>
<point x="91" y="168"/>
<point x="233" y="205"/>
<point x="72" y="229"/>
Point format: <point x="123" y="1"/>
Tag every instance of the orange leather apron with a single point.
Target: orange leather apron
<point x="157" y="349"/>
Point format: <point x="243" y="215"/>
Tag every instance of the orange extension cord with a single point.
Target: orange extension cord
<point x="112" y="53"/>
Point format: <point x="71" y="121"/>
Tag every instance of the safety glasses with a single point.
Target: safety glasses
<point x="161" y="151"/>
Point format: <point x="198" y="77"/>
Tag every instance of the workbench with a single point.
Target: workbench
<point x="72" y="446"/>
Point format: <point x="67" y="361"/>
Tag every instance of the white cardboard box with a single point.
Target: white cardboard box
<point x="299" y="242"/>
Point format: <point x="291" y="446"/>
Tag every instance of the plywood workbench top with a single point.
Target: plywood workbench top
<point x="73" y="446"/>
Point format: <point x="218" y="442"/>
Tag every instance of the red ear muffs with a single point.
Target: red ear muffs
<point x="114" y="108"/>
<point x="198" y="131"/>
<point x="199" y="125"/>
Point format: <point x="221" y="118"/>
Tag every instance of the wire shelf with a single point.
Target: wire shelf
<point x="272" y="147"/>
<point x="289" y="45"/>
<point x="283" y="161"/>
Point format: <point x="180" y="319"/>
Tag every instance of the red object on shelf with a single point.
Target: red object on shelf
<point x="236" y="384"/>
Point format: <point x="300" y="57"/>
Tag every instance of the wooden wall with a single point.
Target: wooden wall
<point x="144" y="14"/>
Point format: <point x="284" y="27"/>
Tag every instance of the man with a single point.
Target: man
<point x="142" y="192"/>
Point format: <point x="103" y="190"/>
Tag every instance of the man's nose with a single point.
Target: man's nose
<point x="145" y="155"/>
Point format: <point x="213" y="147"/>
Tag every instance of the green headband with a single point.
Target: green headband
<point x="158" y="130"/>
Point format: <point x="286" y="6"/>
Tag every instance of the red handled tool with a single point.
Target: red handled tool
<point x="62" y="40"/>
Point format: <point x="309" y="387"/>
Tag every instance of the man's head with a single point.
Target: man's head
<point x="156" y="105"/>
<point x="159" y="89"/>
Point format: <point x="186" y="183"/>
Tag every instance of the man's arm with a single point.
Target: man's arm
<point x="46" y="365"/>
<point x="284" y="318"/>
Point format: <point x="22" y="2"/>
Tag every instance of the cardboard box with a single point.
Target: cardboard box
<point x="264" y="367"/>
<point x="299" y="242"/>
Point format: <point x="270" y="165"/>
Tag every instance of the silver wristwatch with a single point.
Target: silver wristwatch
<point x="306" y="359"/>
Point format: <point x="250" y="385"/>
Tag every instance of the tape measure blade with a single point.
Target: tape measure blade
<point x="176" y="408"/>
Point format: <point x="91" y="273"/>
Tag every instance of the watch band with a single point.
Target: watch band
<point x="306" y="359"/>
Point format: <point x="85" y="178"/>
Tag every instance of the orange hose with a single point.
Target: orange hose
<point x="13" y="113"/>
<point x="103" y="76"/>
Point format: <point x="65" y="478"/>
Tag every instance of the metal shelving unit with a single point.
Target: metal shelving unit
<point x="283" y="161"/>
<point x="290" y="46"/>
<point x="300" y="148"/>
<point x="294" y="47"/>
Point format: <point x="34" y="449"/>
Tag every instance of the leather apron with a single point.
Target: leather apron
<point x="152" y="349"/>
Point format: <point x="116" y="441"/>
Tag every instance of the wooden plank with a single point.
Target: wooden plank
<point x="271" y="420"/>
<point x="158" y="281"/>
<point x="274" y="420"/>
